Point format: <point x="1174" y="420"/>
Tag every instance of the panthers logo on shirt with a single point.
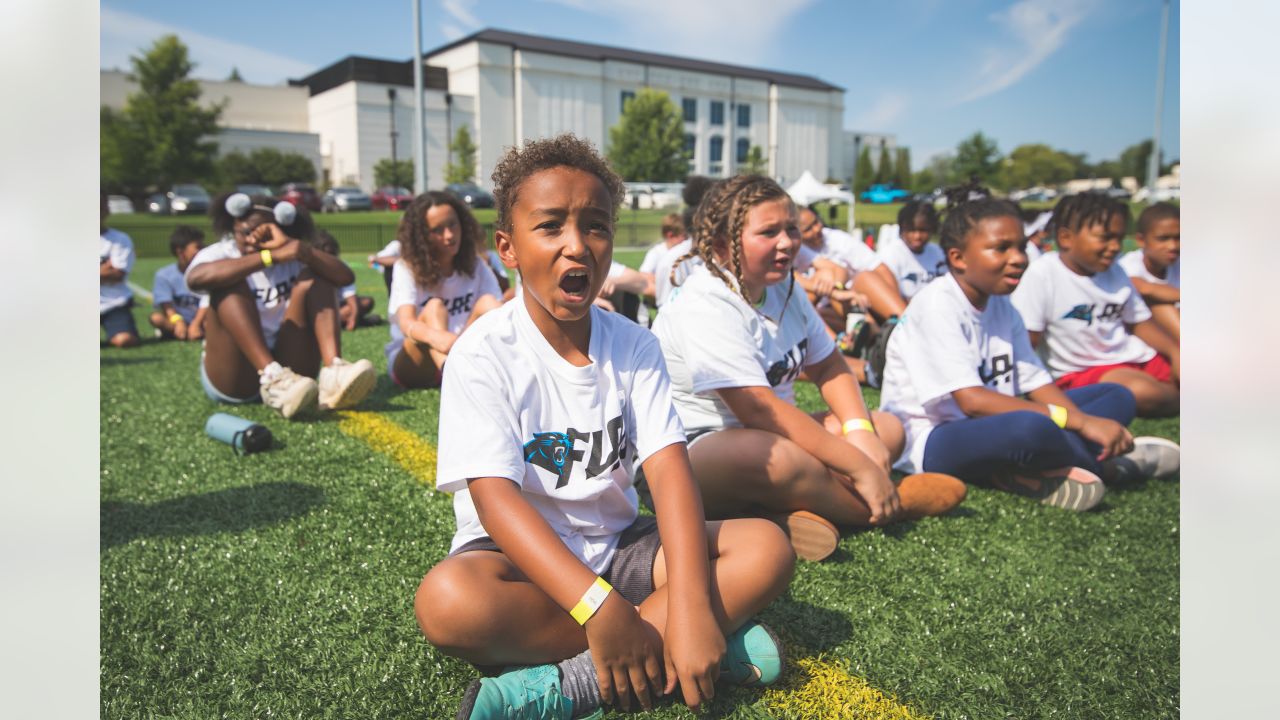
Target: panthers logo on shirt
<point x="555" y="451"/>
<point x="1080" y="312"/>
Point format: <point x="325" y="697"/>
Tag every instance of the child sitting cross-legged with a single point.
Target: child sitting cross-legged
<point x="546" y="403"/>
<point x="1155" y="268"/>
<point x="179" y="313"/>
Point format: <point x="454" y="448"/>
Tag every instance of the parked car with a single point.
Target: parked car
<point x="389" y="197"/>
<point x="880" y="194"/>
<point x="652" y="196"/>
<point x="119" y="205"/>
<point x="471" y="194"/>
<point x="252" y="189"/>
<point x="181" y="199"/>
<point x="301" y="195"/>
<point x="1162" y="194"/>
<point x="344" y="199"/>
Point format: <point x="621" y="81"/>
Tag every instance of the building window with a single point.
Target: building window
<point x="744" y="147"/>
<point x="717" y="148"/>
<point x="744" y="115"/>
<point x="717" y="112"/>
<point x="626" y="95"/>
<point x="690" y="144"/>
<point x="690" y="108"/>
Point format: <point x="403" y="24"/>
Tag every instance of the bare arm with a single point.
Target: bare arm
<point x="983" y="402"/>
<point x="842" y="394"/>
<point x="414" y="329"/>
<point x="1156" y="293"/>
<point x="1034" y="336"/>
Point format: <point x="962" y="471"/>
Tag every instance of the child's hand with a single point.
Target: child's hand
<point x="627" y="653"/>
<point x="878" y="492"/>
<point x="871" y="446"/>
<point x="180" y="330"/>
<point x="1114" y="438"/>
<point x="822" y="284"/>
<point x="694" y="648"/>
<point x="269" y="236"/>
<point x="195" y="332"/>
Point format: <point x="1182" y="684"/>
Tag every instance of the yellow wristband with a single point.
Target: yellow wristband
<point x="591" y="600"/>
<point x="175" y="318"/>
<point x="857" y="424"/>
<point x="266" y="258"/>
<point x="1059" y="415"/>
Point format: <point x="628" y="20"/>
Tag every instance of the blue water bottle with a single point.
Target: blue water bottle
<point x="244" y="436"/>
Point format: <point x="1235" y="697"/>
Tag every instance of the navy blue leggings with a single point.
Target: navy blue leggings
<point x="972" y="449"/>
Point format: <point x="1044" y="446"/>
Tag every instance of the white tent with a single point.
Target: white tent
<point x="807" y="190"/>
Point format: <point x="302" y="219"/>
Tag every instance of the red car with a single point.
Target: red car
<point x="391" y="198"/>
<point x="301" y="195"/>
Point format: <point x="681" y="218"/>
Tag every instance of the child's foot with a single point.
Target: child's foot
<point x="345" y="384"/>
<point x="1069" y="488"/>
<point x="929" y="494"/>
<point x="1151" y="457"/>
<point x="812" y="537"/>
<point x="526" y="693"/>
<point x="753" y="656"/>
<point x="287" y="391"/>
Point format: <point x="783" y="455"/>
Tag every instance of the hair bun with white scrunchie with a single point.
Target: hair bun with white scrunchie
<point x="238" y="205"/>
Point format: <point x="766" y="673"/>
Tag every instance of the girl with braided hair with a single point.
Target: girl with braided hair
<point x="735" y="337"/>
<point x="1094" y="322"/>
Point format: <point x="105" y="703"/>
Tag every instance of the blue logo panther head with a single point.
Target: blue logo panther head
<point x="549" y="451"/>
<point x="1080" y="312"/>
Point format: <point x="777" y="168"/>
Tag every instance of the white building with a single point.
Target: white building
<point x="253" y="116"/>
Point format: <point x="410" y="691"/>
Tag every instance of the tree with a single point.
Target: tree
<point x="977" y="156"/>
<point x="462" y="162"/>
<point x="163" y="135"/>
<point x="265" y="166"/>
<point x="884" y="167"/>
<point x="398" y="173"/>
<point x="865" y="174"/>
<point x="755" y="163"/>
<point x="1134" y="161"/>
<point x="235" y="75"/>
<point x="1037" y="164"/>
<point x="648" y="141"/>
<point x="902" y="167"/>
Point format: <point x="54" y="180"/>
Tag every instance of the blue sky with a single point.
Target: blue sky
<point x="1078" y="75"/>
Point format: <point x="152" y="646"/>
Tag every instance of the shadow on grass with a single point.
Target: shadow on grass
<point x="232" y="510"/>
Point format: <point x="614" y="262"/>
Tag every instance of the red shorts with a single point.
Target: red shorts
<point x="1157" y="367"/>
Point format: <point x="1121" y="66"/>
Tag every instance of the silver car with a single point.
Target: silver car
<point x="344" y="199"/>
<point x="119" y="205"/>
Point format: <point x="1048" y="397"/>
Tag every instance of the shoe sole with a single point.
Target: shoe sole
<point x="931" y="507"/>
<point x="812" y="537"/>
<point x="355" y="391"/>
<point x="1073" y="488"/>
<point x="1167" y="451"/>
<point x="300" y="404"/>
<point x="757" y="679"/>
<point x="469" y="700"/>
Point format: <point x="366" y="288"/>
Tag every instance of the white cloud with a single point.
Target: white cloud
<point x="461" y="12"/>
<point x="884" y="112"/>
<point x="452" y="32"/>
<point x="739" y="31"/>
<point x="125" y="34"/>
<point x="1033" y="30"/>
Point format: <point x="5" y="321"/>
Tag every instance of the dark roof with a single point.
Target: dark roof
<point x="570" y="48"/>
<point x="364" y="69"/>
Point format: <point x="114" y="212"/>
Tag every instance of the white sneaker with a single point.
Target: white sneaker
<point x="1151" y="457"/>
<point x="344" y="384"/>
<point x="287" y="391"/>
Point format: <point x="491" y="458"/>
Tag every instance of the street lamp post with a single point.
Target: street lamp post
<point x="391" y="97"/>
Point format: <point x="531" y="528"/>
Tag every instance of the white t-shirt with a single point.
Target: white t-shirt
<point x="1034" y="252"/>
<point x="843" y="248"/>
<point x="712" y="339"/>
<point x="512" y="407"/>
<point x="271" y="286"/>
<point x="943" y="344"/>
<point x="118" y="248"/>
<point x="1135" y="268"/>
<point x="392" y="249"/>
<point x="458" y="291"/>
<point x="1083" y="317"/>
<point x="171" y="287"/>
<point x="912" y="270"/>
<point x="653" y="257"/>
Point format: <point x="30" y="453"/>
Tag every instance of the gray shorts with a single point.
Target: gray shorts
<point x="630" y="573"/>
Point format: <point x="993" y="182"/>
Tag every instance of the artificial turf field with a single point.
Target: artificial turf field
<point x="281" y="584"/>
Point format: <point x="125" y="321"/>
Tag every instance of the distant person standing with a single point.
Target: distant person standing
<point x="115" y="299"/>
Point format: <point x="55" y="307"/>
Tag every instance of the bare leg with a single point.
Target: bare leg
<point x="124" y="340"/>
<point x="310" y="335"/>
<point x="1155" y="398"/>
<point x="478" y="606"/>
<point x="1169" y="317"/>
<point x="419" y="364"/>
<point x="885" y="301"/>
<point x="743" y="471"/>
<point x="482" y="306"/>
<point x="235" y="349"/>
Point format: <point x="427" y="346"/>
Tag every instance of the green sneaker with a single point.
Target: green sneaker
<point x="753" y="656"/>
<point x="526" y="693"/>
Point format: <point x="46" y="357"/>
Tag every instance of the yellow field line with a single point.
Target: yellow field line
<point x="815" y="688"/>
<point x="819" y="689"/>
<point x="408" y="449"/>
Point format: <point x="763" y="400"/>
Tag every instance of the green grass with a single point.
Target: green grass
<point x="281" y="584"/>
